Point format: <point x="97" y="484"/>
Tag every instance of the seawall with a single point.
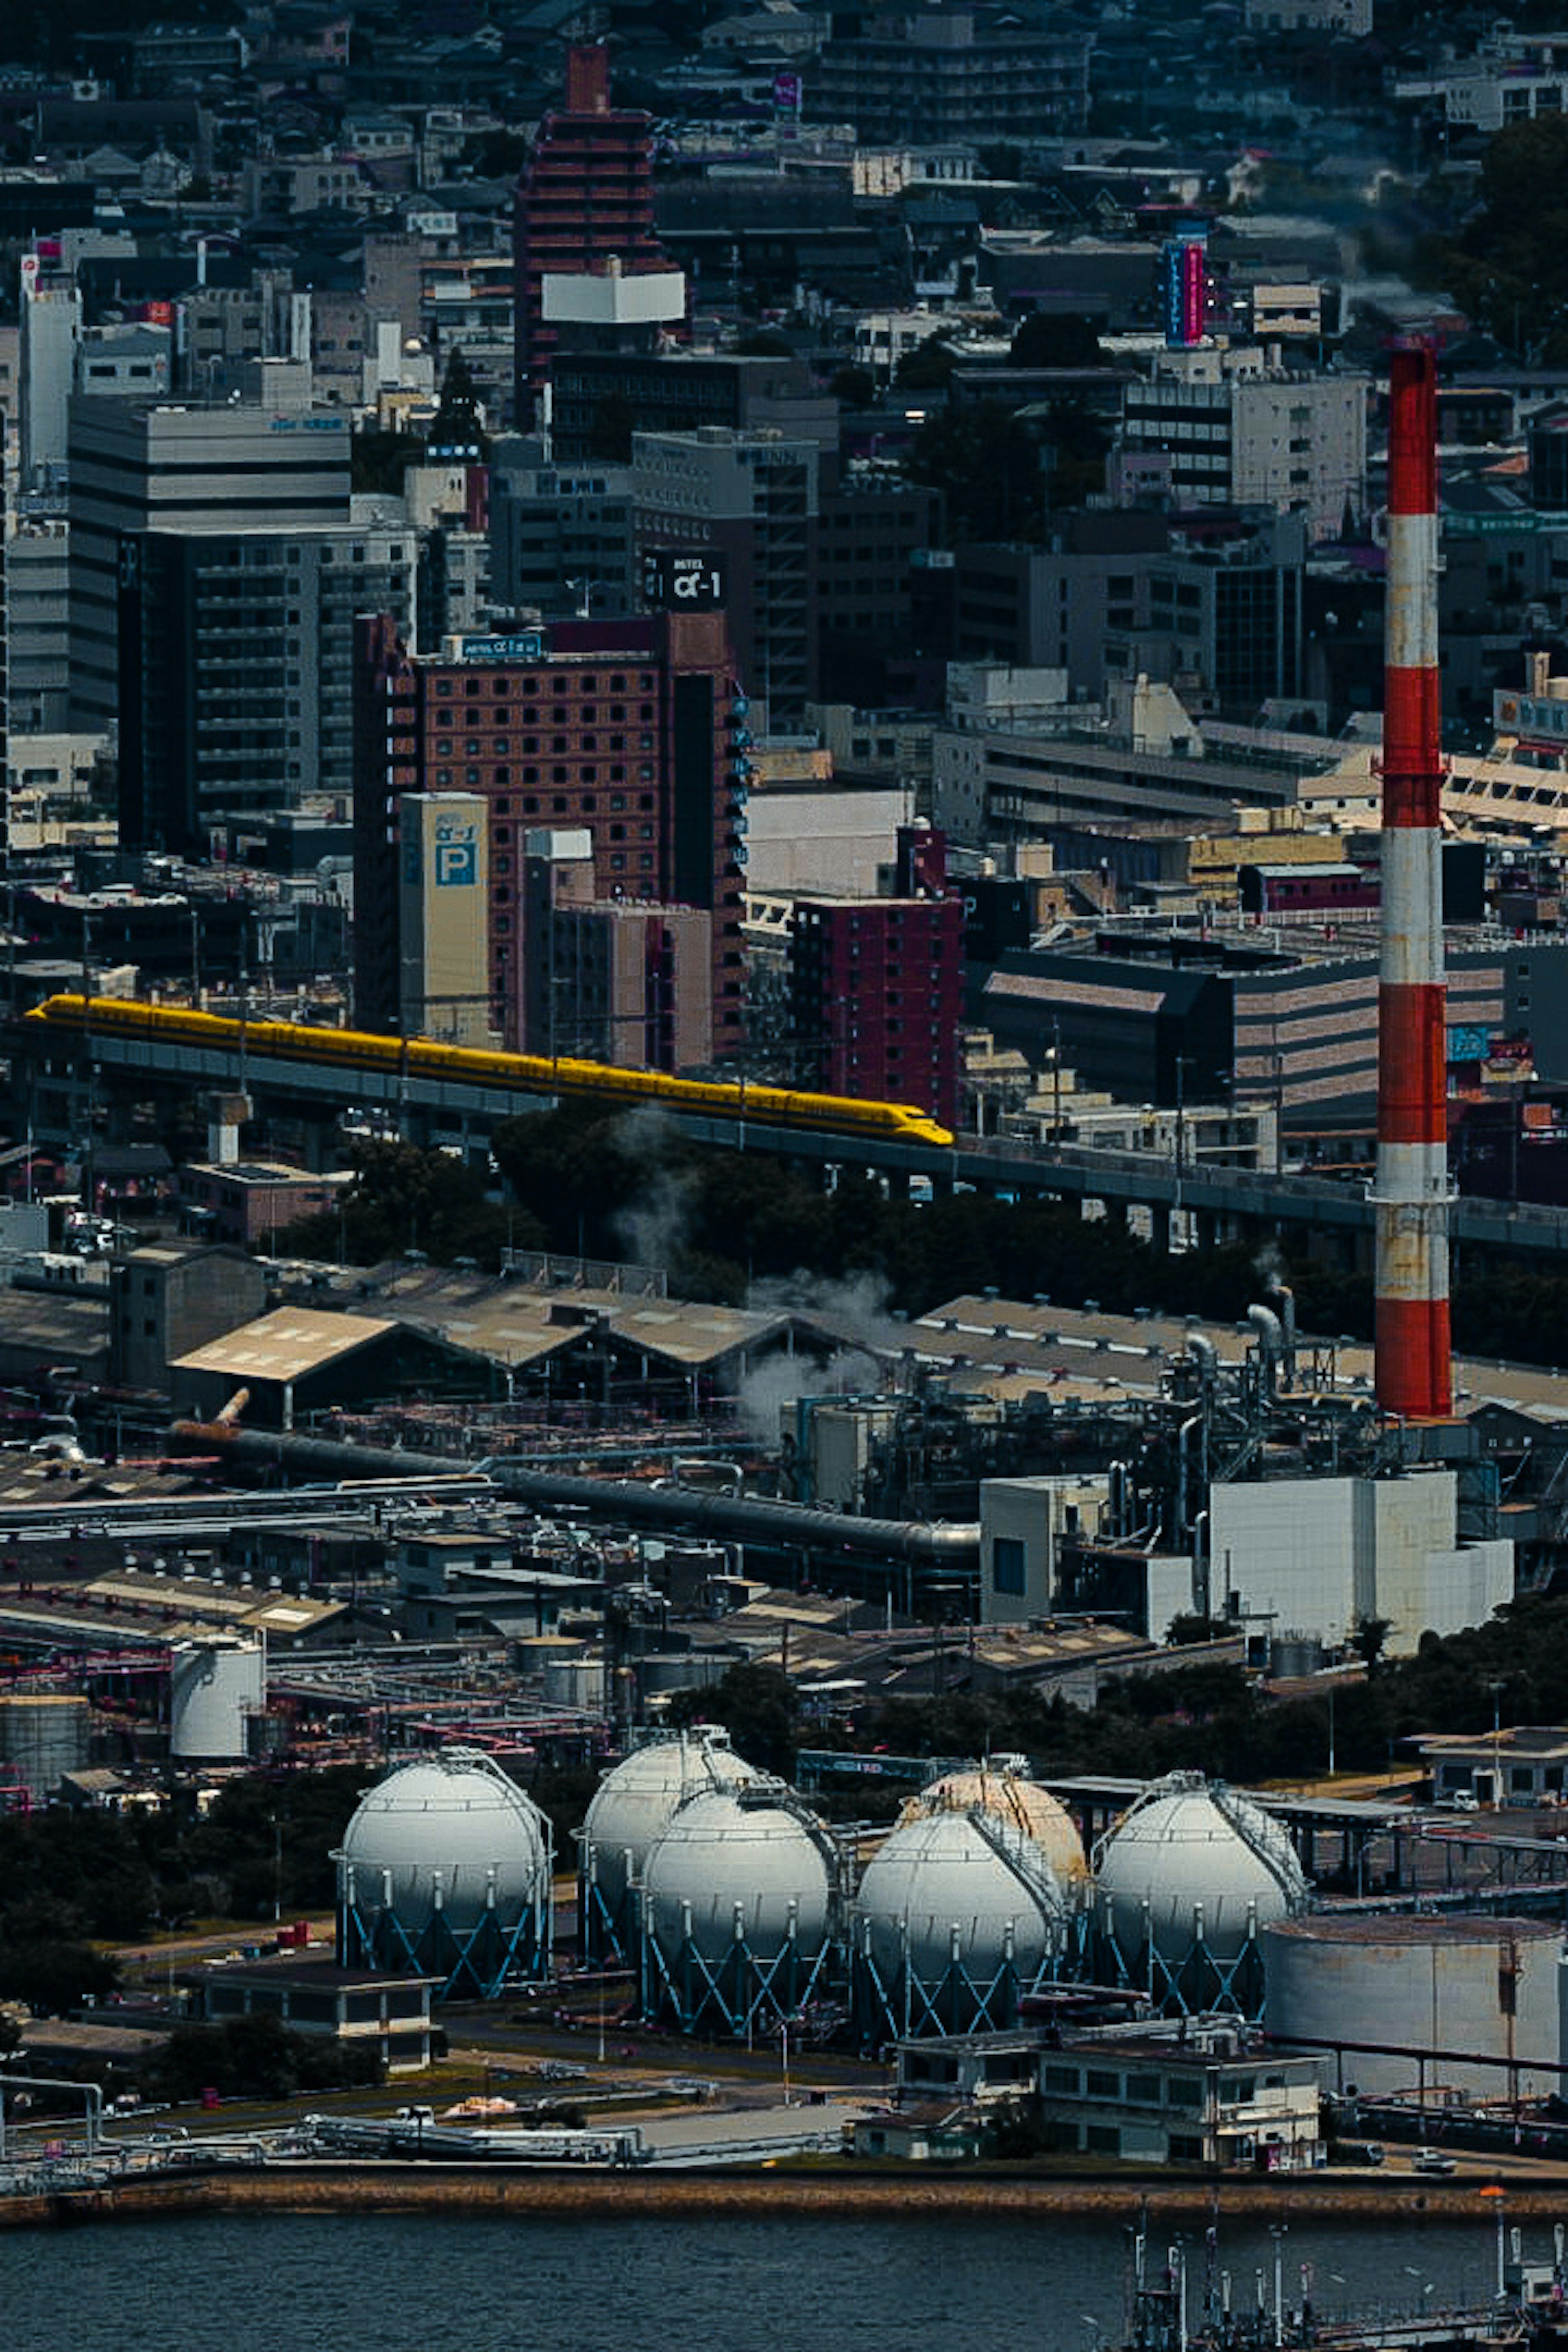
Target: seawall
<point x="862" y="2194"/>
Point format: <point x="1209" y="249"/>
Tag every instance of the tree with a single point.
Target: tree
<point x="758" y="1707"/>
<point x="764" y="343"/>
<point x="1078" y="444"/>
<point x="457" y="431"/>
<point x="378" y="461"/>
<point x="928" y="368"/>
<point x="1045" y="339"/>
<point x="1508" y="265"/>
<point x="404" y="1198"/>
<point x="987" y="467"/>
<point x="1368" y="1640"/>
<point x="55" y="1976"/>
<point x="855" y="385"/>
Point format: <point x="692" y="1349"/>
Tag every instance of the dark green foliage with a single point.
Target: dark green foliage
<point x="855" y="386"/>
<point x="758" y="1707"/>
<point x="764" y="343"/>
<point x="403" y="1198"/>
<point x="592" y="1180"/>
<point x="1045" y="339"/>
<point x="68" y="1878"/>
<point x="927" y="368"/>
<point x="53" y="1976"/>
<point x="267" y="1844"/>
<point x="498" y="154"/>
<point x="988" y="467"/>
<point x="377" y="461"/>
<point x="457" y="429"/>
<point x="1078" y="444"/>
<point x="258" y="2058"/>
<point x="1213" y="1718"/>
<point x="1507" y="267"/>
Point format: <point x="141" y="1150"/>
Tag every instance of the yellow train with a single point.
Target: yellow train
<point x="523" y="1074"/>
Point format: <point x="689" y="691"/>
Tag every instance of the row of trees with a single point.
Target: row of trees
<point x="1206" y="1717"/>
<point x="71" y="1882"/>
<point x="612" y="1185"/>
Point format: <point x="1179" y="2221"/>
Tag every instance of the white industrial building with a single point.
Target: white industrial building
<point x="1023" y="1525"/>
<point x="1318" y="1555"/>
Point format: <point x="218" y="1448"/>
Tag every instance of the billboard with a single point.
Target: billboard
<point x="682" y="584"/>
<point x="1184" y="289"/>
<point x="443" y="926"/>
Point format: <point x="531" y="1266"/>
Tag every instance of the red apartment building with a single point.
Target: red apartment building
<point x="877" y="985"/>
<point x="586" y="197"/>
<point x="624" y="728"/>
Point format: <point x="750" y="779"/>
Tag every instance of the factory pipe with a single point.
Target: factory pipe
<point x="954" y="1546"/>
<point x="1410" y="1193"/>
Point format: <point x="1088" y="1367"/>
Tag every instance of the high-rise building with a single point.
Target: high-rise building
<point x="945" y="76"/>
<point x="625" y="728"/>
<point x="599" y="399"/>
<point x="585" y="200"/>
<point x="137" y="468"/>
<point x="38" y="625"/>
<point x="50" y="325"/>
<point x="749" y="500"/>
<point x="235" y="671"/>
<point x="561" y="535"/>
<point x="877" y="985"/>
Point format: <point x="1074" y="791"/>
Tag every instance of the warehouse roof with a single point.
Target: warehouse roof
<point x="285" y="1345"/>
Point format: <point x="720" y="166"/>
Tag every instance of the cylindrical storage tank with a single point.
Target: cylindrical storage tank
<point x="576" y="1682"/>
<point x="446" y="1845"/>
<point x="216" y="1687"/>
<point x="1001" y="1788"/>
<point x="746" y="1866"/>
<point x="1444" y="1983"/>
<point x="633" y="1803"/>
<point x="1201" y="1866"/>
<point x="45" y="1735"/>
<point x="959" y="1887"/>
<point x="662" y="1672"/>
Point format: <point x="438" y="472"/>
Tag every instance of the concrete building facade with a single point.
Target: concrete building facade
<point x="175" y="468"/>
<point x="234" y="655"/>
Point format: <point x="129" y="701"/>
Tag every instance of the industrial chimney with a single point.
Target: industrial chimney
<point x="1413" y="1375"/>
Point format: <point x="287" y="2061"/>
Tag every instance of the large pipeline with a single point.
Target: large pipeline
<point x="954" y="1547"/>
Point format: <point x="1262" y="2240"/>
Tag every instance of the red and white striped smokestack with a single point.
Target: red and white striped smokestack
<point x="1411" y="1193"/>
